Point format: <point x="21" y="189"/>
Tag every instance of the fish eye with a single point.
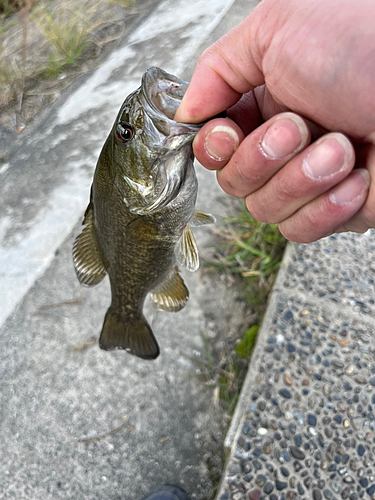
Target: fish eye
<point x="124" y="132"/>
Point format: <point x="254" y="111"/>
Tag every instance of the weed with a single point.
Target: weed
<point x="6" y="26"/>
<point x="9" y="77"/>
<point x="67" y="32"/>
<point x="230" y="386"/>
<point x="233" y="371"/>
<point x="246" y="345"/>
<point x="44" y="39"/>
<point x="127" y="4"/>
<point x="13" y="61"/>
<point x="226" y="374"/>
<point x="252" y="250"/>
<point x="8" y="7"/>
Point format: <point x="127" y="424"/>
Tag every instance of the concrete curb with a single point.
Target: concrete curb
<point x="305" y="424"/>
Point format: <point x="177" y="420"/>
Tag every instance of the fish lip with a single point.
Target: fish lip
<point x="149" y="78"/>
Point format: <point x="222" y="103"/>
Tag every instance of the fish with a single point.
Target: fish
<point x="137" y="226"/>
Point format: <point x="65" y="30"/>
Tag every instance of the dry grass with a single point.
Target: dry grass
<point x="66" y="32"/>
<point x="9" y="7"/>
<point x="45" y="42"/>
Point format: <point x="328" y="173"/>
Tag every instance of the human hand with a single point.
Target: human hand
<point x="317" y="60"/>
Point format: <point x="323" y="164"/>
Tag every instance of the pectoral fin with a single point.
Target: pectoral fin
<point x="168" y="194"/>
<point x="141" y="189"/>
<point x="201" y="219"/>
<point x="87" y="258"/>
<point x="172" y="294"/>
<point x="187" y="251"/>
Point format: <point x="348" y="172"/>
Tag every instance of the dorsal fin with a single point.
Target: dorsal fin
<point x="187" y="251"/>
<point x="87" y="258"/>
<point x="172" y="294"/>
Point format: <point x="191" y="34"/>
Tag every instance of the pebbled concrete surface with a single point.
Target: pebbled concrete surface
<point x="305" y="425"/>
<point x="77" y="422"/>
<point x="340" y="270"/>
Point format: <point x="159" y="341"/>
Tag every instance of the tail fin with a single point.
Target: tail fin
<point x="134" y="335"/>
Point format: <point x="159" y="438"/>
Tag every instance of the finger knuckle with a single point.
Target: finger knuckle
<point x="256" y="210"/>
<point x="284" y="190"/>
<point x="293" y="233"/>
<point x="312" y="220"/>
<point x="286" y="231"/>
<point x="244" y="171"/>
<point x="316" y="222"/>
<point x="227" y="186"/>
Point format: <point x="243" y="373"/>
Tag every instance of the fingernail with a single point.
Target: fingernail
<point x="327" y="157"/>
<point x="352" y="187"/>
<point x="221" y="143"/>
<point x="285" y="136"/>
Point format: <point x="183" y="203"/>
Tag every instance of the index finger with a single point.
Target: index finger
<point x="224" y="72"/>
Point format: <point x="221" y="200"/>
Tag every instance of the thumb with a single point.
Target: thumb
<point x="225" y="71"/>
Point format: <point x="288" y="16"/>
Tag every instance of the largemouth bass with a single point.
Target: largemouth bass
<point x="137" y="226"/>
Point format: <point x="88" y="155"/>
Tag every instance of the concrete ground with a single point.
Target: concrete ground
<point x="78" y="422"/>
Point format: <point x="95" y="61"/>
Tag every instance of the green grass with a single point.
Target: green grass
<point x="123" y="3"/>
<point x="246" y="345"/>
<point x="249" y="251"/>
<point x="252" y="251"/>
<point x="225" y="376"/>
<point x="233" y="371"/>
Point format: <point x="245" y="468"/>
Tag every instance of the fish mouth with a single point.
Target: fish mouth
<point x="163" y="94"/>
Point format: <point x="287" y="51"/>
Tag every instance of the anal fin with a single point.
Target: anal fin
<point x="87" y="258"/>
<point x="187" y="251"/>
<point x="172" y="294"/>
<point x="131" y="334"/>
